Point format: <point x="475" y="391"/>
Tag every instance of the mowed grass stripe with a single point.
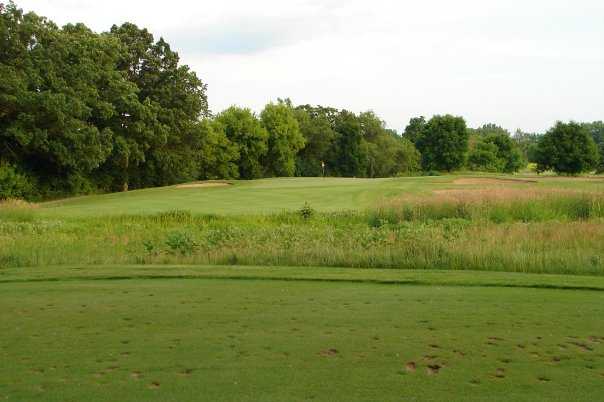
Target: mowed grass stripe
<point x="305" y="274"/>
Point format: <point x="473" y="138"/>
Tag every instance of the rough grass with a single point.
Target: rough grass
<point x="495" y="204"/>
<point x="556" y="237"/>
<point x="551" y="226"/>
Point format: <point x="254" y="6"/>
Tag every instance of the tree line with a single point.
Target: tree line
<point x="84" y="112"/>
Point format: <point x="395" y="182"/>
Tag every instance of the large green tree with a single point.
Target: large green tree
<point x="483" y="157"/>
<point x="351" y="158"/>
<point x="284" y="138"/>
<point x="596" y="129"/>
<point x="387" y="153"/>
<point x="415" y="129"/>
<point x="242" y="127"/>
<point x="217" y="155"/>
<point x="56" y="96"/>
<point x="317" y="125"/>
<point x="177" y="99"/>
<point x="567" y="148"/>
<point x="508" y="154"/>
<point x="443" y="143"/>
<point x="81" y="110"/>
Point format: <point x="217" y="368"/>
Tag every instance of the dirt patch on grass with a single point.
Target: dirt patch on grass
<point x="410" y="367"/>
<point x="543" y="379"/>
<point x="205" y="184"/>
<point x="433" y="369"/>
<point x="473" y="181"/>
<point x="328" y="352"/>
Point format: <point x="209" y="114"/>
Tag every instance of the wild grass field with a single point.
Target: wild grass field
<point x="551" y="225"/>
<point x="276" y="290"/>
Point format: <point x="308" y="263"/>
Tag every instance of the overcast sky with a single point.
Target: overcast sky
<point x="519" y="63"/>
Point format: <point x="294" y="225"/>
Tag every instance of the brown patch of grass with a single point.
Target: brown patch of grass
<point x="15" y="203"/>
<point x="328" y="352"/>
<point x="205" y="184"/>
<point x="491" y="181"/>
<point x="410" y="367"/>
<point x="499" y="194"/>
<point x="487" y="196"/>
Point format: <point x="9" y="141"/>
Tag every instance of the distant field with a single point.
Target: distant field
<point x="290" y="334"/>
<point x="275" y="195"/>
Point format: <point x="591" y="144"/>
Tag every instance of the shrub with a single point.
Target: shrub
<point x="13" y="184"/>
<point x="181" y="242"/>
<point x="306" y="212"/>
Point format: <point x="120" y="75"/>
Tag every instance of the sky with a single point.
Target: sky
<point x="517" y="63"/>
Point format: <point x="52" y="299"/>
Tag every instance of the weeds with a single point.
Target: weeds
<point x="306" y="212"/>
<point x="553" y="233"/>
<point x="181" y="243"/>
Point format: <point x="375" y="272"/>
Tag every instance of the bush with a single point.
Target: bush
<point x="180" y="242"/>
<point x="306" y="212"/>
<point x="13" y="184"/>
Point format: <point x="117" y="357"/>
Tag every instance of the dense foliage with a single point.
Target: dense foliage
<point x="567" y="148"/>
<point x="442" y="141"/>
<point x="596" y="129"/>
<point x="84" y="112"/>
<point x="493" y="150"/>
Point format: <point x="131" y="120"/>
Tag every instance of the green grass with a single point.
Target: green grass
<point x="241" y="197"/>
<point x="175" y="333"/>
<point x="454" y="222"/>
<point x="275" y="195"/>
<point x="494" y="291"/>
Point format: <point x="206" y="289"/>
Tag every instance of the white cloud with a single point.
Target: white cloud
<point x="517" y="63"/>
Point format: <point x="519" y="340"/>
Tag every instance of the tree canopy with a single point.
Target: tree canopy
<point x="567" y="148"/>
<point x="284" y="138"/>
<point x="443" y="143"/>
<point x="492" y="149"/>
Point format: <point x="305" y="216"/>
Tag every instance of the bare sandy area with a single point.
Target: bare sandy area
<point x="203" y="185"/>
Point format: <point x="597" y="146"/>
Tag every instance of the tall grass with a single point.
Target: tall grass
<point x="495" y="205"/>
<point x="17" y="210"/>
<point x="558" y="232"/>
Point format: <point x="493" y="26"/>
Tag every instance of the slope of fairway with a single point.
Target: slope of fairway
<point x="244" y="334"/>
<point x="259" y="196"/>
<point x="276" y="195"/>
